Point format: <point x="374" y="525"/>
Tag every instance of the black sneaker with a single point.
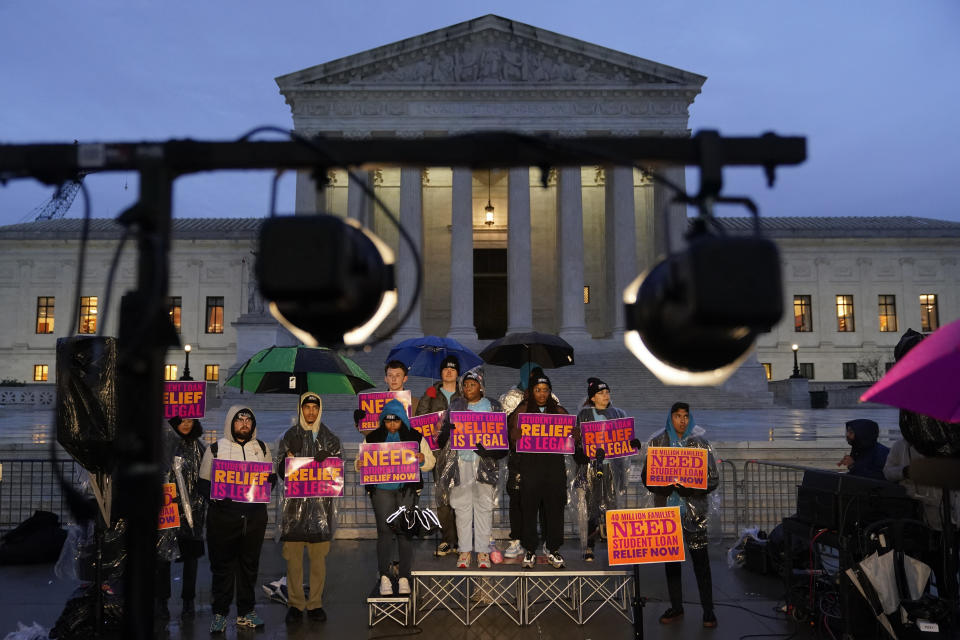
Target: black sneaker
<point x="294" y="616"/>
<point x="445" y="549"/>
<point x="555" y="559"/>
<point x="529" y="560"/>
<point x="188" y="610"/>
<point x="709" y="620"/>
<point x="671" y="615"/>
<point x="317" y="615"/>
<point x="588" y="555"/>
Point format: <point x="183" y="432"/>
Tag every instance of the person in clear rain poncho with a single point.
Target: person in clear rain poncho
<point x="694" y="505"/>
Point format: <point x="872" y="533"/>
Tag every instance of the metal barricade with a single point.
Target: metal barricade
<point x="31" y="485"/>
<point x="730" y="508"/>
<point x="769" y="492"/>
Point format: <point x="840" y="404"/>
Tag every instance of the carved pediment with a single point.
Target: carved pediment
<point x="490" y="51"/>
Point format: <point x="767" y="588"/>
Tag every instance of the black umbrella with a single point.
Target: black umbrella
<point x="517" y="349"/>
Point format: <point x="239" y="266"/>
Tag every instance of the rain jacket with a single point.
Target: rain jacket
<point x="602" y="491"/>
<point x="694" y="503"/>
<point x="407" y="434"/>
<point x="190" y="449"/>
<point x="868" y="455"/>
<point x="433" y="400"/>
<point x="307" y="519"/>
<point x="488" y="464"/>
<point x="539" y="463"/>
<point x="253" y="450"/>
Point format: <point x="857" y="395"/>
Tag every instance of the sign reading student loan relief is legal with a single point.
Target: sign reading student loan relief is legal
<point x="613" y="436"/>
<point x="677" y="465"/>
<point x="545" y="432"/>
<point x="372" y="403"/>
<point x="639" y="536"/>
<point x="184" y="399"/>
<point x="240" y="480"/>
<point x="478" y="427"/>
<point x="307" y="478"/>
<point x="389" y="462"/>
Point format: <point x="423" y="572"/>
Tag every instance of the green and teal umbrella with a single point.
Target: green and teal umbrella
<point x="300" y="369"/>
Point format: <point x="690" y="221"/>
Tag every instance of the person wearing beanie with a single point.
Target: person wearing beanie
<point x="543" y="478"/>
<point x="598" y="483"/>
<point x="307" y="524"/>
<point x="235" y="530"/>
<point x="436" y="398"/>
<point x="471" y="476"/>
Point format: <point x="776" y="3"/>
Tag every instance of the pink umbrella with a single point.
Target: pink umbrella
<point x="927" y="379"/>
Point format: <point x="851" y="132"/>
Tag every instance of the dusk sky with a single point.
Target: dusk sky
<point x="873" y="85"/>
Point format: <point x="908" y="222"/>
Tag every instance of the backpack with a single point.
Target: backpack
<point x="263" y="448"/>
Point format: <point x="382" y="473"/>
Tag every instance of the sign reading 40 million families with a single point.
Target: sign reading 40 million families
<point x="641" y="536"/>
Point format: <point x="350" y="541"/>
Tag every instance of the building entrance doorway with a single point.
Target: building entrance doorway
<point x="490" y="293"/>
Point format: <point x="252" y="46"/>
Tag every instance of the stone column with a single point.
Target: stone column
<point x="519" y="299"/>
<point x="359" y="205"/>
<point x="671" y="217"/>
<point x="570" y="255"/>
<point x="620" y="228"/>
<point x="411" y="215"/>
<point x="461" y="256"/>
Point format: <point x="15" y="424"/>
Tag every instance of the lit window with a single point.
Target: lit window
<point x="845" y="314"/>
<point x="45" y="314"/>
<point x="88" y="315"/>
<point x="174" y="307"/>
<point x="40" y="372"/>
<point x="806" y="370"/>
<point x="802" y="314"/>
<point x="586" y="294"/>
<point x="211" y="373"/>
<point x="170" y="372"/>
<point x="768" y="370"/>
<point x="850" y="369"/>
<point x="214" y="314"/>
<point x="929" y="316"/>
<point x="887" y="310"/>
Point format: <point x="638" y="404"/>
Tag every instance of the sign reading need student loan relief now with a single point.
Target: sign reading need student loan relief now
<point x="169" y="511"/>
<point x="184" y="399"/>
<point x="473" y="427"/>
<point x="640" y="536"/>
<point x="389" y="462"/>
<point x="677" y="465"/>
<point x="372" y="403"/>
<point x="545" y="433"/>
<point x="240" y="480"/>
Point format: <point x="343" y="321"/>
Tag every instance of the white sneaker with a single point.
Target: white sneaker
<point x="386" y="587"/>
<point x="515" y="550"/>
<point x="403" y="586"/>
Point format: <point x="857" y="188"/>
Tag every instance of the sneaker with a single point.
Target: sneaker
<point x="317" y="615"/>
<point x="483" y="560"/>
<point x="445" y="549"/>
<point x="529" y="560"/>
<point x="403" y="586"/>
<point x="386" y="587"/>
<point x="515" y="550"/>
<point x="463" y="560"/>
<point x="294" y="616"/>
<point x="250" y="620"/>
<point x="588" y="555"/>
<point x="555" y="559"/>
<point x="671" y="615"/>
<point x="709" y="619"/>
<point x="188" y="610"/>
<point x="218" y="624"/>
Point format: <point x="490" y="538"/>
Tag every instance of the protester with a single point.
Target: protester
<point x="867" y="456"/>
<point x="388" y="497"/>
<point x="509" y="401"/>
<point x="436" y="398"/>
<point x="183" y="441"/>
<point x="235" y="530"/>
<point x="471" y="475"/>
<point x="601" y="481"/>
<point x="307" y="524"/>
<point x="395" y="375"/>
<point x="694" y="513"/>
<point x="543" y="478"/>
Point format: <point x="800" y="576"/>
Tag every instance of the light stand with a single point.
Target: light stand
<point x="186" y="363"/>
<point x="796" y="365"/>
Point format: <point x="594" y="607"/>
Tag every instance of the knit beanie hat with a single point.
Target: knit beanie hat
<point x="594" y="386"/>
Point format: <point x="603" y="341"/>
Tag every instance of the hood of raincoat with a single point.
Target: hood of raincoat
<point x="865" y="433"/>
<point x="525" y="375"/>
<point x="228" y="422"/>
<point x="303" y="423"/>
<point x="472" y="374"/>
<point x="193" y="434"/>
<point x="396" y="408"/>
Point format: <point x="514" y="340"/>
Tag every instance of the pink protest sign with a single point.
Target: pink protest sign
<point x="307" y="478"/>
<point x="545" y="433"/>
<point x="613" y="436"/>
<point x="184" y="399"/>
<point x="429" y="426"/>
<point x="389" y="462"/>
<point x="471" y="427"/>
<point x="240" y="480"/>
<point x="372" y="403"/>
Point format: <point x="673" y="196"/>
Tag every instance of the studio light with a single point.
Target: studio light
<point x="692" y="319"/>
<point x="328" y="280"/>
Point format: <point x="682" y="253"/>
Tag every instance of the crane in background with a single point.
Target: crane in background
<point x="59" y="203"/>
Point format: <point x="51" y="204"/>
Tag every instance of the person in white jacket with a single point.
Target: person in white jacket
<point x="235" y="530"/>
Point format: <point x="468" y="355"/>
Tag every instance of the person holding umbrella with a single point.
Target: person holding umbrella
<point x="436" y="398"/>
<point x="307" y="524"/>
<point x="388" y="497"/>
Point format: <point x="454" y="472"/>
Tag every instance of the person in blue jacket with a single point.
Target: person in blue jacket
<point x="867" y="456"/>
